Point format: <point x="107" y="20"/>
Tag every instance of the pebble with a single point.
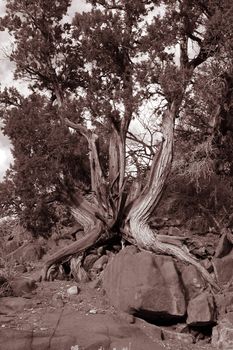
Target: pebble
<point x="72" y="290"/>
<point x="57" y="300"/>
<point x="93" y="311"/>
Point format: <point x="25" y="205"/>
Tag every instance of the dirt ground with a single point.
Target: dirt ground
<point x="50" y="306"/>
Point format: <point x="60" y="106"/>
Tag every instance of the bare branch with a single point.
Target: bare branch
<point x="145" y="145"/>
<point x="80" y="128"/>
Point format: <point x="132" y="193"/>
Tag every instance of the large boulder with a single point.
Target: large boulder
<point x="223" y="268"/>
<point x="28" y="252"/>
<point x="145" y="284"/>
<point x="22" y="286"/>
<point x="193" y="281"/>
<point x="224" y="246"/>
<point x="201" y="310"/>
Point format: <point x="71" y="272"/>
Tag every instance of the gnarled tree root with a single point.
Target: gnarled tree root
<point x="185" y="256"/>
<point x="146" y="239"/>
<point x="77" y="247"/>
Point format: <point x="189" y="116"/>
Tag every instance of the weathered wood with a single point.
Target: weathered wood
<point x="77" y="247"/>
<point x="116" y="170"/>
<point x="160" y="169"/>
<point x="147" y="239"/>
<point x="143" y="206"/>
<point x="98" y="181"/>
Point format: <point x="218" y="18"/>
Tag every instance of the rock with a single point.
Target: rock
<point x="22" y="285"/>
<point x="182" y="328"/>
<point x="177" y="336"/>
<point x="93" y="311"/>
<point x="57" y="300"/>
<point x="14" y="339"/>
<point x="127" y="317"/>
<point x="163" y="231"/>
<point x="69" y="330"/>
<point x="210" y="250"/>
<point x="199" y="224"/>
<point x="207" y="263"/>
<point x="222" y="335"/>
<point x="201" y="310"/>
<point x="157" y="222"/>
<point x="3" y="280"/>
<point x="100" y="251"/>
<point x="224" y="246"/>
<point x="26" y="340"/>
<point x="223" y="269"/>
<point x="36" y="276"/>
<point x="151" y="330"/>
<point x="100" y="342"/>
<point x="144" y="284"/>
<point x="174" y="231"/>
<point x="6" y="319"/>
<point x="89" y="261"/>
<point x="21" y="268"/>
<point x="229" y="317"/>
<point x="224" y="302"/>
<point x="200" y="252"/>
<point x="95" y="284"/>
<point x="11" y="246"/>
<point x="98" y="265"/>
<point x="174" y="222"/>
<point x="13" y="305"/>
<point x="193" y="281"/>
<point x="116" y="247"/>
<point x="29" y="251"/>
<point x="5" y="288"/>
<point x="73" y="290"/>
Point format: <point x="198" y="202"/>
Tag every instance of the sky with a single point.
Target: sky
<point x="6" y="79"/>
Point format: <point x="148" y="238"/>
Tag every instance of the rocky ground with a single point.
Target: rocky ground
<point x="48" y="317"/>
<point x="133" y="301"/>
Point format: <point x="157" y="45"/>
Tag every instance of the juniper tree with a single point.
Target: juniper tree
<point x="112" y="63"/>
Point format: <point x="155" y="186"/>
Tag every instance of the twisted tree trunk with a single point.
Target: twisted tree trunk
<point x="114" y="214"/>
<point x="144" y="205"/>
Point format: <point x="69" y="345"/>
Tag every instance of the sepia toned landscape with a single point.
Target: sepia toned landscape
<point x="116" y="192"/>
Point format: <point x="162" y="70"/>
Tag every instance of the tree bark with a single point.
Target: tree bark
<point x="98" y="181"/>
<point x="116" y="171"/>
<point x="97" y="224"/>
<point x="142" y="208"/>
<point x="77" y="247"/>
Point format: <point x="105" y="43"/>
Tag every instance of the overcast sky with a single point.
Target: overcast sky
<point x="6" y="79"/>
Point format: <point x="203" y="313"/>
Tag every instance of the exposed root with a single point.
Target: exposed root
<point x="147" y="239"/>
<point x="77" y="271"/>
<point x="77" y="247"/>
